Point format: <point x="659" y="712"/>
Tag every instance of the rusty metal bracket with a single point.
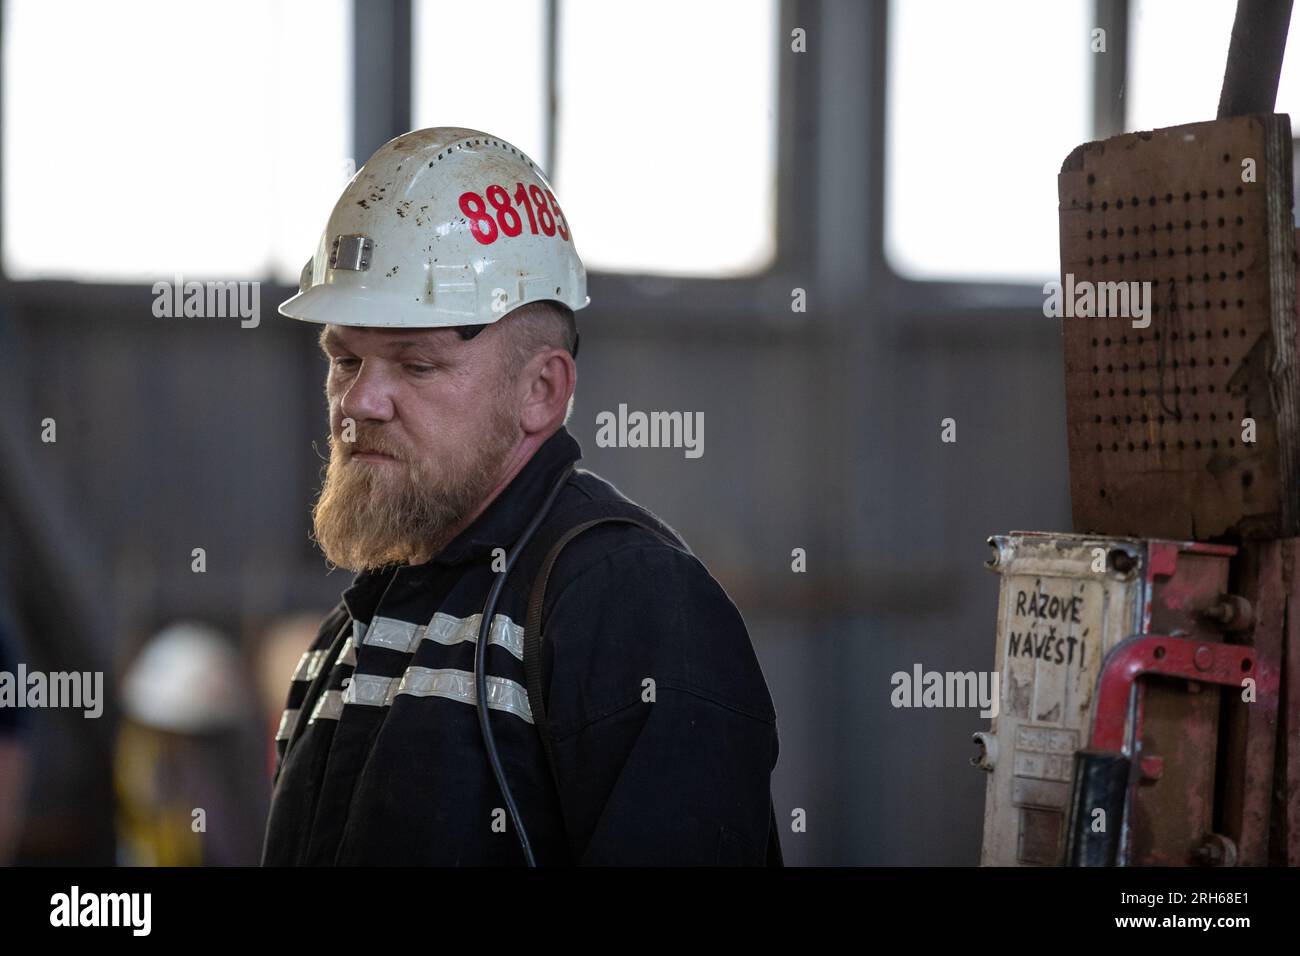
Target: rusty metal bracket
<point x="1103" y="772"/>
<point x="1155" y="655"/>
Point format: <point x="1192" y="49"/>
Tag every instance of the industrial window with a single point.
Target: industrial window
<point x="482" y="64"/>
<point x="652" y="188"/>
<point x="980" y="115"/>
<point x="131" y="154"/>
<point x="1177" y="56"/>
<point x="1176" y="59"/>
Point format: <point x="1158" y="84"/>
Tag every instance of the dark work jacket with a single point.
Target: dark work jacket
<point x="663" y="729"/>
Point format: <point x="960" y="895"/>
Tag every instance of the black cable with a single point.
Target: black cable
<point x="480" y="665"/>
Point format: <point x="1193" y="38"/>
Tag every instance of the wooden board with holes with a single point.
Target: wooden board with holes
<point x="1196" y="222"/>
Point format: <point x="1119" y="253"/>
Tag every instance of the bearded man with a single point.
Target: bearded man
<point x="527" y="667"/>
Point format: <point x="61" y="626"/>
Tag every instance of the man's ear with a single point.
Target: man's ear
<point x="551" y="377"/>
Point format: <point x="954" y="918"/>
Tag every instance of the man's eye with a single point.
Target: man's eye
<point x="345" y="363"/>
<point x="419" y="369"/>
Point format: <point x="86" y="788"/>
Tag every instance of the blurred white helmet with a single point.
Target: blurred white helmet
<point x="441" y="227"/>
<point x="187" y="679"/>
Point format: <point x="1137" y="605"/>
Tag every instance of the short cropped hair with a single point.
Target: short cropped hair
<point x="537" y="326"/>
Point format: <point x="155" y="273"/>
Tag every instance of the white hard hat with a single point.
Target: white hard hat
<point x="441" y="227"/>
<point x="187" y="679"/>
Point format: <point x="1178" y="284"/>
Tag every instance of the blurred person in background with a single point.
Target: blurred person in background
<point x="180" y="768"/>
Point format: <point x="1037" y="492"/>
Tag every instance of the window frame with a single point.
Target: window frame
<point x="951" y="307"/>
<point x="626" y="299"/>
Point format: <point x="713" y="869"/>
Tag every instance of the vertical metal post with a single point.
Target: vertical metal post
<point x="1255" y="57"/>
<point x="381" y="73"/>
<point x="1110" y="69"/>
<point x="552" y="67"/>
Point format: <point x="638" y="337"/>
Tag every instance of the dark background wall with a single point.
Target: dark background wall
<point x="822" y="433"/>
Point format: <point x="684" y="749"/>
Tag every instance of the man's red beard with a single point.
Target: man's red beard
<point x="375" y="513"/>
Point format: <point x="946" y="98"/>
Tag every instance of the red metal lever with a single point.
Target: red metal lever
<point x="1159" y="655"/>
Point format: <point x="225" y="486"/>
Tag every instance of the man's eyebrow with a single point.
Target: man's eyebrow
<point x="329" y="337"/>
<point x="407" y="344"/>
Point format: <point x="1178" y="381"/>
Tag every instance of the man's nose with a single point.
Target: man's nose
<point x="369" y="396"/>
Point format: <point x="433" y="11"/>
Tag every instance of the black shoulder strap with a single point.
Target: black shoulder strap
<point x="567" y="527"/>
<point x="576" y="521"/>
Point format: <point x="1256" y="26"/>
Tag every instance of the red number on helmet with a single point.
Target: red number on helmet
<point x="510" y="222"/>
<point x="544" y="217"/>
<point x="560" y="222"/>
<point x="482" y="225"/>
<point x="521" y="197"/>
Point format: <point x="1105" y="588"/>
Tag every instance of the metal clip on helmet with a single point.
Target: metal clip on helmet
<point x="441" y="227"/>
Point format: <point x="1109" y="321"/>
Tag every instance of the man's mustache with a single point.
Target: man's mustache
<point x="371" y="444"/>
